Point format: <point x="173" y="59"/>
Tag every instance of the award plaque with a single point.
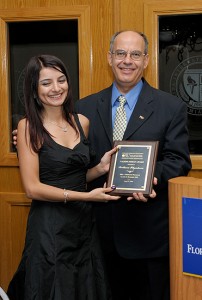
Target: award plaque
<point x="132" y="167"/>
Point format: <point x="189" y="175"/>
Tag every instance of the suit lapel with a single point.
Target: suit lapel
<point x="105" y="112"/>
<point x="141" y="112"/>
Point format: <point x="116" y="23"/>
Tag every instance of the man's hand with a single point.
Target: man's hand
<point x="14" y="134"/>
<point x="141" y="197"/>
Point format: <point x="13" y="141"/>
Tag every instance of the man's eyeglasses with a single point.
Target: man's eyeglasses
<point x="122" y="54"/>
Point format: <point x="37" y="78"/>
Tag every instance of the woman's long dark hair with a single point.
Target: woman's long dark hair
<point x="33" y="106"/>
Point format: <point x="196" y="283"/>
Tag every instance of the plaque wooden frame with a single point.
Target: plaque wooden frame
<point x="132" y="167"/>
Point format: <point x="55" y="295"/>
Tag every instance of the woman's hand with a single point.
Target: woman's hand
<point x="105" y="160"/>
<point x="101" y="195"/>
<point x="102" y="168"/>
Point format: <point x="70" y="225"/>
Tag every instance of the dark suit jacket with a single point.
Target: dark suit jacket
<point x="136" y="229"/>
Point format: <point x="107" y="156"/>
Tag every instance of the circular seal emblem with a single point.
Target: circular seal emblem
<point x="186" y="83"/>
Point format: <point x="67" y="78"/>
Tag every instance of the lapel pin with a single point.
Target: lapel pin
<point x="141" y="117"/>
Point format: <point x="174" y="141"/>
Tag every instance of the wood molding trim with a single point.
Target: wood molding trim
<point x="152" y="11"/>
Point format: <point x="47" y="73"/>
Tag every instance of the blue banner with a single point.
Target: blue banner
<point x="192" y="236"/>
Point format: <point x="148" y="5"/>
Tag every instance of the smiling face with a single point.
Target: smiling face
<point x="52" y="87"/>
<point x="128" y="72"/>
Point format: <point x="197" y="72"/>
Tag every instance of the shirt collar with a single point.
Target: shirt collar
<point x="131" y="96"/>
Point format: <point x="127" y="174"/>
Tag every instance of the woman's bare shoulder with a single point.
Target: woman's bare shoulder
<point x="84" y="123"/>
<point x="21" y="124"/>
<point x="83" y="120"/>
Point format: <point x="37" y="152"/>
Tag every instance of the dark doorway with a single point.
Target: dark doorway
<point x="27" y="39"/>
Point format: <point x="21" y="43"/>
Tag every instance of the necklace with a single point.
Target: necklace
<point x="64" y="128"/>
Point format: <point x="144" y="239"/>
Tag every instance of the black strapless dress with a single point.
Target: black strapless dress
<point x="62" y="259"/>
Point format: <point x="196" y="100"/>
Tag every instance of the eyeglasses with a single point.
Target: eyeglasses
<point x="122" y="54"/>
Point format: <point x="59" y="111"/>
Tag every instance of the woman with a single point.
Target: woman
<point x="61" y="259"/>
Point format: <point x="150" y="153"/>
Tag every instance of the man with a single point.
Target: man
<point x="134" y="234"/>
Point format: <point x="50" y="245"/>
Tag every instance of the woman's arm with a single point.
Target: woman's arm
<point x="102" y="168"/>
<point x="34" y="189"/>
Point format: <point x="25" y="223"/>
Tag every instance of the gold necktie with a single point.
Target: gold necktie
<point x="120" y="122"/>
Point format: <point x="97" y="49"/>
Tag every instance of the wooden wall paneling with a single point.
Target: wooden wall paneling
<point x="10" y="179"/>
<point x="195" y="173"/>
<point x="197" y="163"/>
<point x="14" y="209"/>
<point x="103" y="15"/>
<point x="4" y="92"/>
<point x="131" y="15"/>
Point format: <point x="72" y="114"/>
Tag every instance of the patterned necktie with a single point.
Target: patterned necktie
<point x="120" y="122"/>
